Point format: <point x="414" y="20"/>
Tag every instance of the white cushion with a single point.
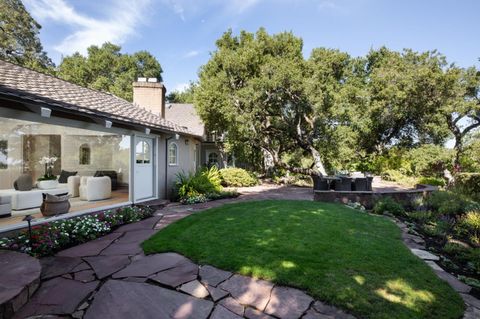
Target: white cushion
<point x="5" y="209"/>
<point x="95" y="188"/>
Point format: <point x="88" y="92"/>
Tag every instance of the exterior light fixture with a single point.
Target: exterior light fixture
<point x="29" y="219"/>
<point x="108" y="124"/>
<point x="177" y="136"/>
<point x="45" y="112"/>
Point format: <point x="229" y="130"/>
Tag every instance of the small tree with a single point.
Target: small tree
<point x="105" y="68"/>
<point x="19" y="41"/>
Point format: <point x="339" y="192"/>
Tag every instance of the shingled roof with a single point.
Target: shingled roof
<point x="32" y="86"/>
<point x="185" y="114"/>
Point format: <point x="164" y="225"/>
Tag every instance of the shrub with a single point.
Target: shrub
<point x="447" y="203"/>
<point x="469" y="227"/>
<point x="388" y="205"/>
<point x="439" y="229"/>
<point x="468" y="184"/>
<point x="237" y="177"/>
<point x="200" y="187"/>
<point x="435" y="181"/>
<point x="455" y="250"/>
<point x="421" y="216"/>
<point x="203" y="182"/>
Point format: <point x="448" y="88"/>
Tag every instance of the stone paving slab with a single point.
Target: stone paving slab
<point x="104" y="266"/>
<point x="221" y="312"/>
<point x="195" y="288"/>
<point x="150" y="265"/>
<point x="91" y="248"/>
<point x="423" y="254"/>
<point x="82" y="266"/>
<point x="249" y="291"/>
<point x="146" y="224"/>
<point x="57" y="265"/>
<point x="136" y="236"/>
<point x="57" y="296"/>
<point x="216" y="293"/>
<point x="251" y="313"/>
<point x="213" y="276"/>
<point x="122" y="299"/>
<point x="174" y="277"/>
<point x="232" y="305"/>
<point x="19" y="278"/>
<point x="454" y="282"/>
<point x="470" y="300"/>
<point x="127" y="249"/>
<point x="288" y="303"/>
<point x="85" y="275"/>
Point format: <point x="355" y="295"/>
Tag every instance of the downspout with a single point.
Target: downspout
<point x="166" y="164"/>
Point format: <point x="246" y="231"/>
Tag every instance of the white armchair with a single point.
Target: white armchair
<point x="95" y="188"/>
<point x="73" y="185"/>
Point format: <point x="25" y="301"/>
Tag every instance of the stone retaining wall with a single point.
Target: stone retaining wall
<point x="368" y="198"/>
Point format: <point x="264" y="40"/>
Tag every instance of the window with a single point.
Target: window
<point x="143" y="152"/>
<point x="173" y="154"/>
<point x="84" y="154"/>
<point x="3" y="154"/>
<point x="213" y="159"/>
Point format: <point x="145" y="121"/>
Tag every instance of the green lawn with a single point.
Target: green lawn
<point x="347" y="258"/>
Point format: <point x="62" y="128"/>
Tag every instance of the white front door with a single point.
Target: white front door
<point x="144" y="177"/>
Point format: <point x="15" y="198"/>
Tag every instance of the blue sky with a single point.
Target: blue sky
<point x="181" y="33"/>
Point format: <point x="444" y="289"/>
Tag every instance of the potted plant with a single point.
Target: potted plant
<point x="48" y="180"/>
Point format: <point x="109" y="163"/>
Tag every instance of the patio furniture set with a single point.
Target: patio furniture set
<point x="344" y="183"/>
<point x="54" y="200"/>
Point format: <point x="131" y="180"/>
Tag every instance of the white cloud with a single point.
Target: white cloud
<point x="327" y="5"/>
<point x="180" y="87"/>
<point x="184" y="7"/>
<point x="191" y="54"/>
<point x="118" y="23"/>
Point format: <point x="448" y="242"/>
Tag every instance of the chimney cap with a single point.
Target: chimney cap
<point x="152" y="80"/>
<point x="142" y="80"/>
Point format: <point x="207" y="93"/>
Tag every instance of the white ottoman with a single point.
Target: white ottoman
<point x="5" y="206"/>
<point x="95" y="188"/>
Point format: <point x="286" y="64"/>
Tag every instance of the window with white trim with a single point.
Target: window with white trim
<point x="213" y="159"/>
<point x="173" y="154"/>
<point x="143" y="153"/>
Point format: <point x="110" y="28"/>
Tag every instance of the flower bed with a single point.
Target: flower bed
<point x="450" y="224"/>
<point x="48" y="238"/>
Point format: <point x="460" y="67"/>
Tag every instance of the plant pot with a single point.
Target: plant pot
<point x="47" y="184"/>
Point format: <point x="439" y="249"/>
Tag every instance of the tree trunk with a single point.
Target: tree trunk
<point x="318" y="161"/>
<point x="458" y="153"/>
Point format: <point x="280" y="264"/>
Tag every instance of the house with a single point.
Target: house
<point x="106" y="151"/>
<point x="210" y="148"/>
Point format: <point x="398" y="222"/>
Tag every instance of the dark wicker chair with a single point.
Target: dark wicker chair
<point x="369" y="183"/>
<point x="320" y="184"/>
<point x="344" y="184"/>
<point x="361" y="184"/>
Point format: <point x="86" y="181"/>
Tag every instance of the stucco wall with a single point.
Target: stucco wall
<point x="186" y="162"/>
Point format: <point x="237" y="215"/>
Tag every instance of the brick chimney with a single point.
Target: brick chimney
<point x="150" y="94"/>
